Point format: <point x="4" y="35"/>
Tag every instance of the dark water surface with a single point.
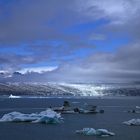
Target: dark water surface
<point x="112" y="119"/>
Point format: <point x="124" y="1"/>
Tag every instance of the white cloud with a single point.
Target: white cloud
<point x="122" y="66"/>
<point x="119" y="11"/>
<point x="38" y="69"/>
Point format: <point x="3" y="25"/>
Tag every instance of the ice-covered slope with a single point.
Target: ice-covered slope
<point x="68" y="89"/>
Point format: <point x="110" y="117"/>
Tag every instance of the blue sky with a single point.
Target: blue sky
<point x="84" y="36"/>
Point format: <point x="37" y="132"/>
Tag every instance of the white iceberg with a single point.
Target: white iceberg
<point x="137" y="107"/>
<point x="13" y="96"/>
<point x="94" y="132"/>
<point x="49" y="117"/>
<point x="135" y="122"/>
<point x="87" y="131"/>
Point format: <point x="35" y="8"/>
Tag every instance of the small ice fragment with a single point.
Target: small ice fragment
<point x="92" y="131"/>
<point x="137" y="107"/>
<point x="135" y="122"/>
<point x="87" y="131"/>
<point x="13" y="96"/>
<point x="104" y="132"/>
<point x="75" y="102"/>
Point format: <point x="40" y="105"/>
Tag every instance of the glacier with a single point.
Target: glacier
<point x="16" y="90"/>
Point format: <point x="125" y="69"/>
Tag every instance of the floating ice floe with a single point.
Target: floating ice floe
<point x="137" y="107"/>
<point x="94" y="132"/>
<point x="49" y="117"/>
<point x="135" y="122"/>
<point x="134" y="111"/>
<point x="68" y="109"/>
<point x="13" y="96"/>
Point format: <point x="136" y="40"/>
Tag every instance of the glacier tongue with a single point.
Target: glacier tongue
<point x="87" y="89"/>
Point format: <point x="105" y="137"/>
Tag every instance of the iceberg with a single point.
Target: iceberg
<point x="13" y="96"/>
<point x="48" y="117"/>
<point x="135" y="122"/>
<point x="134" y="111"/>
<point x="137" y="107"/>
<point x="94" y="132"/>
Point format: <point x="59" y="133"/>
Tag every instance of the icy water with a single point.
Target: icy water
<point x="112" y="119"/>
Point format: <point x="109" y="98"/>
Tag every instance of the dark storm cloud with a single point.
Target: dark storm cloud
<point x="26" y="22"/>
<point x="11" y="63"/>
<point x="122" y="66"/>
<point x="29" y="20"/>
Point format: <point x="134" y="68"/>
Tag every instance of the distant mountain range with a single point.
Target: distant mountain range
<point x="65" y="89"/>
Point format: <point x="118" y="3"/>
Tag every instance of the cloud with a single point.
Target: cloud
<point x="29" y="20"/>
<point x="97" y="37"/>
<point x="13" y="62"/>
<point x="36" y="25"/>
<point x="37" y="69"/>
<point x="123" y="15"/>
<point x="119" y="11"/>
<point x="122" y="66"/>
<point x="56" y="31"/>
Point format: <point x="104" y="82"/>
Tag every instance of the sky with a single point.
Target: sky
<point x="69" y="41"/>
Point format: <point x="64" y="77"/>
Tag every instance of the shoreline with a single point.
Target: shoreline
<point x="66" y="97"/>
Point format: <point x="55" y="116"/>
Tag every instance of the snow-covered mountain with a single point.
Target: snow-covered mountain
<point x="68" y="89"/>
